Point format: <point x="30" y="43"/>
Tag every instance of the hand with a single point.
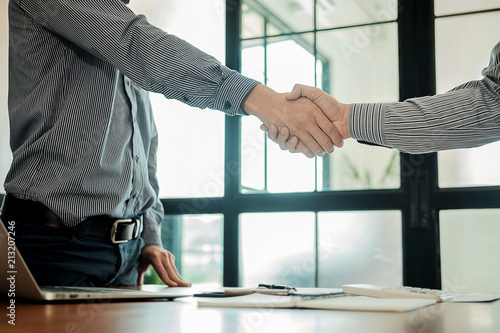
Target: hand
<point x="337" y="112"/>
<point x="303" y="118"/>
<point x="163" y="263"/>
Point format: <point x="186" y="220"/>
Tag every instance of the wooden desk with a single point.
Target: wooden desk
<point x="183" y="315"/>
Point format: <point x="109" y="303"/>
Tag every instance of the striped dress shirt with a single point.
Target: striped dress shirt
<point x="82" y="132"/>
<point x="465" y="117"/>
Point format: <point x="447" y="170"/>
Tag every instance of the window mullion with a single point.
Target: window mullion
<point x="421" y="259"/>
<point x="232" y="160"/>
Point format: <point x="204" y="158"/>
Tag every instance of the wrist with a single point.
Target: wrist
<point x="252" y="104"/>
<point x="344" y="127"/>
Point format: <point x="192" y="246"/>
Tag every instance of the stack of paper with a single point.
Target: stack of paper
<point x="359" y="303"/>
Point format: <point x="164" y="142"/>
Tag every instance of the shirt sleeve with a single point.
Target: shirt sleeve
<point x="465" y="117"/>
<point x="153" y="217"/>
<point x="152" y="58"/>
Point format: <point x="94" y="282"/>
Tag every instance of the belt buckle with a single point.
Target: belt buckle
<point x="115" y="226"/>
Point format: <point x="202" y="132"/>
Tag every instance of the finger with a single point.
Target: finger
<point x="163" y="267"/>
<point x="331" y="131"/>
<point x="164" y="274"/>
<point x="310" y="139"/>
<point x="283" y="138"/>
<point x="306" y="128"/>
<point x="140" y="279"/>
<point x="291" y="144"/>
<point x="264" y="128"/>
<point x="141" y="271"/>
<point x="273" y="133"/>
<point x="173" y="272"/>
<point x="301" y="148"/>
<point x="325" y="133"/>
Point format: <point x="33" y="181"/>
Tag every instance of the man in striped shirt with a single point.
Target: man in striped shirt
<point x="82" y="186"/>
<point x="465" y="117"/>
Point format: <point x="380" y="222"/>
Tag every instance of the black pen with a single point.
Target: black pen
<point x="276" y="286"/>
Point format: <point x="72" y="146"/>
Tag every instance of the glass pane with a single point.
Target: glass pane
<point x="290" y="52"/>
<point x="470" y="250"/>
<point x="282" y="16"/>
<point x="347" y="12"/>
<point x="186" y="168"/>
<point x="253" y="59"/>
<point x="348" y="69"/>
<point x="458" y="47"/>
<point x="271" y="169"/>
<point x="253" y="163"/>
<point x="359" y="247"/>
<point x="286" y="259"/>
<point x="470" y="167"/>
<point x="191" y="150"/>
<point x="283" y="167"/>
<point x="252" y="22"/>
<point x="444" y="7"/>
<point x="196" y="242"/>
<point x="252" y="138"/>
<point x="359" y="167"/>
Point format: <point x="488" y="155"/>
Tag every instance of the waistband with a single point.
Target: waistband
<point x="115" y="230"/>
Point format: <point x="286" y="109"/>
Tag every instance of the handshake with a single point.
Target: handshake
<point x="306" y="120"/>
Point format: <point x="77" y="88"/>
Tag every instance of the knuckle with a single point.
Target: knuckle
<point x="330" y="128"/>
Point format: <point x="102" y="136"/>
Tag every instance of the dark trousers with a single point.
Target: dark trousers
<point x="60" y="257"/>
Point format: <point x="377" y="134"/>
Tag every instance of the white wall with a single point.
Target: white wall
<point x="5" y="155"/>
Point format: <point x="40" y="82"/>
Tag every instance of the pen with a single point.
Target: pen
<point x="276" y="286"/>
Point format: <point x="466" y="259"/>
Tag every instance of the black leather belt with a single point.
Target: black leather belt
<point x="34" y="213"/>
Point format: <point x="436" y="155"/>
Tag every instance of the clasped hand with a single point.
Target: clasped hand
<point x="303" y="118"/>
<point x="336" y="113"/>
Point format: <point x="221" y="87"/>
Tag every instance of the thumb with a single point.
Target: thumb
<point x="295" y="93"/>
<point x="141" y="271"/>
<point x="300" y="90"/>
<point x="140" y="279"/>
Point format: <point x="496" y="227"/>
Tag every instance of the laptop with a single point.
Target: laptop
<point x="16" y="281"/>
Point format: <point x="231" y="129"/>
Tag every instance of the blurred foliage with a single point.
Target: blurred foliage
<point x="151" y="277"/>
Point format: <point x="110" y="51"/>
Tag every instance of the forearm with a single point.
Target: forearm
<point x="466" y="117"/>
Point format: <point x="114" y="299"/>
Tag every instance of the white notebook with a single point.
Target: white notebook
<point x="353" y="303"/>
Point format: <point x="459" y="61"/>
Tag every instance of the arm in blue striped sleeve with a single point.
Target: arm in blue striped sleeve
<point x="366" y="123"/>
<point x="467" y="116"/>
<point x="152" y="58"/>
<point x="154" y="215"/>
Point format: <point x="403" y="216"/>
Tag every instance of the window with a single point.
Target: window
<point x="243" y="212"/>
